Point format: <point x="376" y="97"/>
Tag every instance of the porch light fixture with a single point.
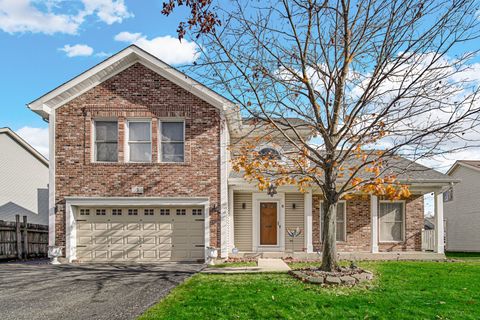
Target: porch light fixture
<point x="294" y="206"/>
<point x="244" y="205"/>
<point x="272" y="190"/>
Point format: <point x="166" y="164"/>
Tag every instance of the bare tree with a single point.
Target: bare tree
<point x="370" y="79"/>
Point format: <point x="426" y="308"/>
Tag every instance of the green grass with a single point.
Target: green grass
<point x="234" y="264"/>
<point x="466" y="256"/>
<point x="402" y="290"/>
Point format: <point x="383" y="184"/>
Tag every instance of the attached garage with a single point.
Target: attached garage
<point x="139" y="234"/>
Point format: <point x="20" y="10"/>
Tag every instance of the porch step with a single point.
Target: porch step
<point x="273" y="264"/>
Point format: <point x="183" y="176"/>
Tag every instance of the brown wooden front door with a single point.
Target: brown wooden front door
<point x="268" y="223"/>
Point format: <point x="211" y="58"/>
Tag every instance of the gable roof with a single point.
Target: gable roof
<point x="15" y="137"/>
<point x="472" y="164"/>
<point x="119" y="62"/>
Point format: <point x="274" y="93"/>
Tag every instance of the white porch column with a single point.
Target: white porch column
<point x="308" y="222"/>
<point x="439" y="233"/>
<point x="374" y="223"/>
<point x="231" y="231"/>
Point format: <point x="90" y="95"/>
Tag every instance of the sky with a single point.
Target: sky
<point x="47" y="42"/>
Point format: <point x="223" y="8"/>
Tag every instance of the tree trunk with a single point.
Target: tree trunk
<point x="329" y="237"/>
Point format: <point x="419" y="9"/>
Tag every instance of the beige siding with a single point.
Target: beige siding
<point x="294" y="218"/>
<point x="462" y="214"/>
<point x="243" y="221"/>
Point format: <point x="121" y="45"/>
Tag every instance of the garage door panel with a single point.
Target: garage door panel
<point x="101" y="254"/>
<point x="149" y="240"/>
<point x="133" y="254"/>
<point x="117" y="226"/>
<point x="87" y="226"/>
<point x="85" y="240"/>
<point x="101" y="240"/>
<point x="116" y="254"/>
<point x="149" y="226"/>
<point x="149" y="254"/>
<point x="165" y="226"/>
<point x="100" y="226"/>
<point x="133" y="239"/>
<point x="133" y="226"/>
<point x="116" y="240"/>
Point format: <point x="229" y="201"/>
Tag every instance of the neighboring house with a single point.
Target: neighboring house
<point x="462" y="207"/>
<point x="23" y="180"/>
<point x="140" y="172"/>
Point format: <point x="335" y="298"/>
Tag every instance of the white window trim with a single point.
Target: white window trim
<point x="344" y="220"/>
<point x="404" y="221"/>
<point x="159" y="147"/>
<point x="94" y="138"/>
<point x="127" y="141"/>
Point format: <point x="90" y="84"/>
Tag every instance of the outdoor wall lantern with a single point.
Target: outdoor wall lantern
<point x="294" y="206"/>
<point x="244" y="205"/>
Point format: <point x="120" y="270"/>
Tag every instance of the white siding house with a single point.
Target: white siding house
<point x="462" y="207"/>
<point x="23" y="180"/>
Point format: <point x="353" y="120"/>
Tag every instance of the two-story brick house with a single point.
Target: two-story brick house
<point x="139" y="171"/>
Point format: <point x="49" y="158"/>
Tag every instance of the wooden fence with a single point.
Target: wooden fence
<point x="428" y="240"/>
<point x="22" y="240"/>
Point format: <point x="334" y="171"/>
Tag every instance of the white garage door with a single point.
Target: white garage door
<point x="140" y="234"/>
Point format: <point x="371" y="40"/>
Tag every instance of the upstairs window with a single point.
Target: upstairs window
<point x="139" y="141"/>
<point x="106" y="141"/>
<point x="172" y="141"/>
<point x="270" y="153"/>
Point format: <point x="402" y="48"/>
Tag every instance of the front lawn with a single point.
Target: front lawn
<point x="403" y="290"/>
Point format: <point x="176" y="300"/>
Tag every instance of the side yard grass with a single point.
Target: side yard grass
<point x="402" y="290"/>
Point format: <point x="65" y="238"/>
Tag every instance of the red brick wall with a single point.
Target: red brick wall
<point x="359" y="226"/>
<point x="137" y="92"/>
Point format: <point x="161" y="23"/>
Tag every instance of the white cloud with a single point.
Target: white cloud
<point x="46" y="17"/>
<point x="166" y="48"/>
<point x="108" y="11"/>
<point x="78" y="50"/>
<point x="36" y="137"/>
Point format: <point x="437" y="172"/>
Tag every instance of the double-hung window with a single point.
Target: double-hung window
<point x="106" y="141"/>
<point x="391" y="221"/>
<point x="139" y="141"/>
<point x="341" y="221"/>
<point x="172" y="141"/>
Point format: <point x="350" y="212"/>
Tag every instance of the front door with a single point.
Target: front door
<point x="268" y="223"/>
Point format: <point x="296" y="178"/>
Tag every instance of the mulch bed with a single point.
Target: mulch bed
<point x="341" y="277"/>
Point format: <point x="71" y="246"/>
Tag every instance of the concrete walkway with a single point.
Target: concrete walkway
<point x="263" y="265"/>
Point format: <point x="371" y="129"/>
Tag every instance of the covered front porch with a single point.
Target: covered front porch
<point x="263" y="226"/>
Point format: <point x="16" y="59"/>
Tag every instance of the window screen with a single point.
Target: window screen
<point x="139" y="141"/>
<point x="106" y="141"/>
<point x="172" y="142"/>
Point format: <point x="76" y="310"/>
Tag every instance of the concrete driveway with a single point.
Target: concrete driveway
<point x="85" y="291"/>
